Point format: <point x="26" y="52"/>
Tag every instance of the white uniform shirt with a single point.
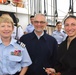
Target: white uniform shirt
<point x="59" y="36"/>
<point x="19" y="33"/>
<point x="29" y="28"/>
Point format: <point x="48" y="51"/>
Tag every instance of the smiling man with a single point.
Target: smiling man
<point x="59" y="34"/>
<point x="42" y="47"/>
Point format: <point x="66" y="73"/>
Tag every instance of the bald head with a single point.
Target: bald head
<point x="39" y="15"/>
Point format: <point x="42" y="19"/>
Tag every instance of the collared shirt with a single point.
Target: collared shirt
<point x="29" y="28"/>
<point x="59" y="36"/>
<point x="42" y="52"/>
<point x="40" y="35"/>
<point x="11" y="61"/>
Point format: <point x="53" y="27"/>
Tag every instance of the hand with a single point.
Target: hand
<point x="50" y="70"/>
<point x="58" y="73"/>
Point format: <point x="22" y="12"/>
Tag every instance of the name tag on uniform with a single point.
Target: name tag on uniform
<point x="16" y="53"/>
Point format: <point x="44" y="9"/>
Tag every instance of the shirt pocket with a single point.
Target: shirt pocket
<point x="14" y="60"/>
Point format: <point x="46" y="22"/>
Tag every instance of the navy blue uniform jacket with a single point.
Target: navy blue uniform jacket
<point x="43" y="52"/>
<point x="67" y="58"/>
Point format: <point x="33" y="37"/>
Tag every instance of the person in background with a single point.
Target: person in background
<point x="14" y="58"/>
<point x="18" y="31"/>
<point x="42" y="47"/>
<point x="66" y="62"/>
<point x="30" y="26"/>
<point x="59" y="34"/>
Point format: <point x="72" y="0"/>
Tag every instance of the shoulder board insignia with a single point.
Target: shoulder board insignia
<point x="21" y="44"/>
<point x="54" y="31"/>
<point x="64" y="32"/>
<point x="28" y="24"/>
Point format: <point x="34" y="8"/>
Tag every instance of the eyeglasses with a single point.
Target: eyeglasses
<point x="41" y="22"/>
<point x="72" y="24"/>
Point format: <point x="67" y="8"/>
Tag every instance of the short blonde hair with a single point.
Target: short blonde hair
<point x="6" y="18"/>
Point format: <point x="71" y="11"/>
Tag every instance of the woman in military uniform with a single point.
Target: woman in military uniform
<point x="14" y="58"/>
